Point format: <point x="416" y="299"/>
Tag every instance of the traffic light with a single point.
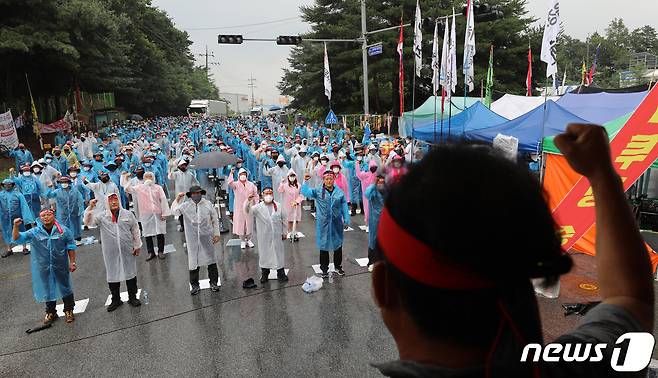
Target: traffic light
<point x="288" y="40"/>
<point x="486" y="12"/>
<point x="230" y="39"/>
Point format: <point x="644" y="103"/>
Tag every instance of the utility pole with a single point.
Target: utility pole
<point x="206" y="55"/>
<point x="252" y="86"/>
<point x="364" y="58"/>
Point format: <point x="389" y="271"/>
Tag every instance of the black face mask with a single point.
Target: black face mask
<point x="373" y="169"/>
<point x="105" y="179"/>
<point x="140" y="175"/>
<point x="182" y="169"/>
<point x="57" y="153"/>
<point x="280" y="164"/>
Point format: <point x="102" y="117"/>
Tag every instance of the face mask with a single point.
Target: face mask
<point x="397" y="164"/>
<point x="139" y="175"/>
<point x="315" y="158"/>
<point x="48" y="161"/>
<point x="57" y="153"/>
<point x="373" y="169"/>
<point x="280" y="164"/>
<point x="26" y="174"/>
<point x="37" y="170"/>
<point x="268" y="198"/>
<point x="67" y="151"/>
<point x="324" y="162"/>
<point x="359" y="158"/>
<point x="336" y="170"/>
<point x="65" y="185"/>
<point x="302" y="154"/>
<point x="147" y="165"/>
<point x="87" y="169"/>
<point x="243" y="178"/>
<point x="292" y="179"/>
<point x="105" y="179"/>
<point x="101" y="148"/>
<point x="196" y="197"/>
<point x="239" y="165"/>
<point x="268" y="153"/>
<point x="9" y="188"/>
<point x="182" y="169"/>
<point x="73" y="174"/>
<point x="148" y="182"/>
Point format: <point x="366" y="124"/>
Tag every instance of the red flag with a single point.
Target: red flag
<point x="528" y="79"/>
<point x="401" y="74"/>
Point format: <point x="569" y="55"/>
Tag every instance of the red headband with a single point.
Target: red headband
<point x="418" y="261"/>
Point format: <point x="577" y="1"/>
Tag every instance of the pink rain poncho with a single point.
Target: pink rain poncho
<point x="243" y="223"/>
<point x="340" y="180"/>
<point x="152" y="204"/>
<point x="367" y="178"/>
<point x="291" y="196"/>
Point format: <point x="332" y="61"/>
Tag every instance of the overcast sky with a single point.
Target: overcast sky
<point x="266" y="60"/>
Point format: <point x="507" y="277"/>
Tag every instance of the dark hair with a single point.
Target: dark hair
<point x="488" y="215"/>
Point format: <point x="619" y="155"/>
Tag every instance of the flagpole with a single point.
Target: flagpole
<point x="413" y="109"/>
<point x="35" y="121"/>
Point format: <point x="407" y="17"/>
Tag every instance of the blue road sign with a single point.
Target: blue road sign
<point x="331" y="118"/>
<point x="374" y="50"/>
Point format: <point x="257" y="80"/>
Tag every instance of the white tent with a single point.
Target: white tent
<point x="513" y="106"/>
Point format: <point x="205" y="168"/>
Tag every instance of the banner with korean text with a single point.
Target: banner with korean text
<point x="8" y="135"/>
<point x="633" y="150"/>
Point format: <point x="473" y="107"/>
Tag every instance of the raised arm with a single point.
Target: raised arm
<point x="623" y="266"/>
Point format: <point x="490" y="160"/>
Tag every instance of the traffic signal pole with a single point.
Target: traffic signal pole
<point x="364" y="58"/>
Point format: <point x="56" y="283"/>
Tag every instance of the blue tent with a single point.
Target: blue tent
<point x="531" y="127"/>
<point x="475" y="117"/>
<point x="601" y="107"/>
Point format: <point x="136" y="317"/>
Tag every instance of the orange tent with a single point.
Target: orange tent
<point x="559" y="178"/>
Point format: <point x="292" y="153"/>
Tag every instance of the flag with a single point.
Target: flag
<point x="564" y="82"/>
<point x="528" y="78"/>
<point x="452" y="66"/>
<point x="583" y="75"/>
<point x="443" y="76"/>
<point x="469" y="47"/>
<point x="436" y="64"/>
<point x="490" y="75"/>
<point x="327" y="74"/>
<point x="401" y="73"/>
<point x="549" y="43"/>
<point x="592" y="69"/>
<point x="418" y="40"/>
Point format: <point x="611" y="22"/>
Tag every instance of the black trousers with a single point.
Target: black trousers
<point x="149" y="244"/>
<point x="324" y="260"/>
<point x="265" y="272"/>
<point x="69" y="303"/>
<point x="116" y="286"/>
<point x="373" y="256"/>
<point x="213" y="275"/>
<point x="180" y="221"/>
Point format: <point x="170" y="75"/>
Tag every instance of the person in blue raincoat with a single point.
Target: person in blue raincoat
<point x="12" y="206"/>
<point x="375" y="194"/>
<point x="21" y="155"/>
<point x="59" y="162"/>
<point x="52" y="261"/>
<point x="70" y="206"/>
<point x="332" y="215"/>
<point x="31" y="187"/>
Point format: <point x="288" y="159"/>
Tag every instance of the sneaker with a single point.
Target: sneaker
<point x="179" y="229"/>
<point x="250" y="244"/>
<point x="114" y="305"/>
<point x="263" y="279"/>
<point x="134" y="302"/>
<point x="370" y="267"/>
<point x="69" y="316"/>
<point x="214" y="287"/>
<point x="282" y="278"/>
<point x="228" y="213"/>
<point x="243" y="244"/>
<point x="161" y="256"/>
<point x="50" y="317"/>
<point x="340" y="271"/>
<point x="150" y="257"/>
<point x="324" y="275"/>
<point x="195" y="290"/>
<point x="26" y="251"/>
<point x="7" y="254"/>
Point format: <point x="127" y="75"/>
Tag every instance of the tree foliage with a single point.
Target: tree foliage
<point x="125" y="46"/>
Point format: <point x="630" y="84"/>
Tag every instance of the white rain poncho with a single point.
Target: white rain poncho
<point x="152" y="204"/>
<point x="101" y="191"/>
<point x="201" y="224"/>
<point x="118" y="240"/>
<point x="270" y="226"/>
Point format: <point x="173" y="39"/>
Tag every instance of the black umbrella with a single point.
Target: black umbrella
<point x="135" y="117"/>
<point x="214" y="159"/>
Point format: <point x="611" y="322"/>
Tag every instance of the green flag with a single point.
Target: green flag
<point x="489" y="85"/>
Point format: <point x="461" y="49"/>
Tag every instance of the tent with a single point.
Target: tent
<point x="531" y="127"/>
<point x="601" y="107"/>
<point x="513" y="106"/>
<point x="425" y="112"/>
<point x="584" y="89"/>
<point x="477" y="116"/>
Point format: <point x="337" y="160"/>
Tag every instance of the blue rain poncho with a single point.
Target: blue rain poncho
<point x="331" y="214"/>
<point x="375" y="206"/>
<point x="32" y="190"/>
<point x="70" y="207"/>
<point x="49" y="260"/>
<point x="12" y="206"/>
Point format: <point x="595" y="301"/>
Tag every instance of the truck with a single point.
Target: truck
<point x="207" y="108"/>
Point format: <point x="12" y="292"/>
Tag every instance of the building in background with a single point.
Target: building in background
<point x="237" y="102"/>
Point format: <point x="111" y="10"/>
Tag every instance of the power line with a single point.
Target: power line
<point x="244" y="25"/>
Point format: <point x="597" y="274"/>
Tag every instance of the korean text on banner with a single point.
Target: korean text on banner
<point x="8" y="135"/>
<point x="54" y="127"/>
<point x="633" y="151"/>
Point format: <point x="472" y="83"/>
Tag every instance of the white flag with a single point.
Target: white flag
<point x="469" y="47"/>
<point x="443" y="77"/>
<point x="436" y="64"/>
<point x="418" y="39"/>
<point x="453" y="54"/>
<point x="327" y="74"/>
<point x="549" y="43"/>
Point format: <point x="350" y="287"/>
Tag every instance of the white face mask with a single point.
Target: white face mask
<point x="73" y="174"/>
<point x="148" y="182"/>
<point x="37" y="170"/>
<point x="268" y="198"/>
<point x="359" y="158"/>
<point x="243" y="178"/>
<point x="336" y="170"/>
<point x="65" y="185"/>
<point x="49" y="161"/>
<point x="86" y="168"/>
<point x="26" y="174"/>
<point x="315" y="158"/>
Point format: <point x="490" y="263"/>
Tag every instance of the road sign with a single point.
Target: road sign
<point x="331" y="118"/>
<point x="375" y="50"/>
